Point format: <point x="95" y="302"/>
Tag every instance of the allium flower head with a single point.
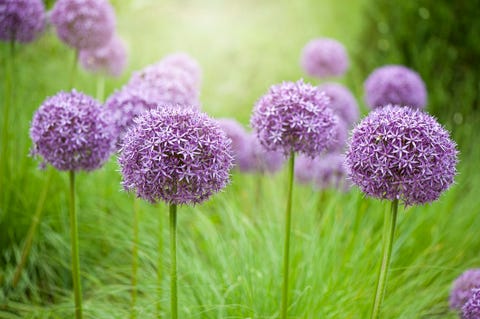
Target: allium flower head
<point x="471" y="309"/>
<point x="331" y="172"/>
<point x="294" y="117"/>
<point x="83" y="24"/>
<point x="177" y="155"/>
<point x="186" y="63"/>
<point x="462" y="288"/>
<point x="109" y="59"/>
<point x="71" y="132"/>
<point x="401" y="153"/>
<point x="123" y="106"/>
<point x="165" y="85"/>
<point x="21" y="20"/>
<point x="238" y="135"/>
<point x="395" y="84"/>
<point x="260" y="160"/>
<point x="324" y="57"/>
<point x="342" y="102"/>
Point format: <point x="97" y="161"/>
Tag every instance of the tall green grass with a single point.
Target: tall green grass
<point x="231" y="247"/>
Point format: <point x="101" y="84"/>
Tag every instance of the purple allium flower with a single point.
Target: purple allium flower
<point x="238" y="135"/>
<point x="342" y="102"/>
<point x="471" y="309"/>
<point x="71" y="132"/>
<point x="462" y="286"/>
<point x="324" y="57"/>
<point x="186" y="63"/>
<point x="165" y="85"/>
<point x="177" y="155"/>
<point x="21" y="20"/>
<point x="83" y="24"/>
<point x="401" y="153"/>
<point x="395" y="84"/>
<point x="339" y="140"/>
<point x="123" y="106"/>
<point x="331" y="172"/>
<point x="294" y="117"/>
<point x="110" y="59"/>
<point x="305" y="168"/>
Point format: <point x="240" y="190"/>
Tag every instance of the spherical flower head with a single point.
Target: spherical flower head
<point x="294" y="117"/>
<point x="110" y="59"/>
<point x="471" y="309"/>
<point x="324" y="57"/>
<point x="257" y="159"/>
<point x="342" y="102"/>
<point x="72" y="132"/>
<point x="165" y="86"/>
<point x="395" y="84"/>
<point x="186" y="63"/>
<point x="401" y="153"/>
<point x="123" y="107"/>
<point x="238" y="135"/>
<point x="83" y="24"/>
<point x="462" y="288"/>
<point x="331" y="172"/>
<point x="21" y="20"/>
<point x="177" y="155"/>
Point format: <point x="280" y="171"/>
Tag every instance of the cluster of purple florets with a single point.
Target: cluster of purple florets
<point x="21" y="20"/>
<point x="324" y="57"/>
<point x="395" y="84"/>
<point x="471" y="309"/>
<point x="83" y="24"/>
<point x="294" y="117"/>
<point x="177" y="155"/>
<point x="71" y="132"/>
<point x="109" y="59"/>
<point x="462" y="288"/>
<point x="401" y="153"/>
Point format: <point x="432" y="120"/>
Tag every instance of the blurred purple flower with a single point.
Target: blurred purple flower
<point x="395" y="84"/>
<point x="165" y="85"/>
<point x="342" y="102"/>
<point x="21" y="20"/>
<point x="305" y="168"/>
<point x="177" y="155"/>
<point x="123" y="107"/>
<point x="401" y="153"/>
<point x="331" y="172"/>
<point x="339" y="140"/>
<point x="83" y="24"/>
<point x="71" y="132"/>
<point x="462" y="288"/>
<point x="471" y="309"/>
<point x="110" y="59"/>
<point x="294" y="117"/>
<point x="324" y="57"/>
<point x="257" y="159"/>
<point x="186" y="63"/>
<point x="238" y="135"/>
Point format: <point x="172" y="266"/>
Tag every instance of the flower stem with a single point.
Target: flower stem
<point x="77" y="288"/>
<point x="32" y="230"/>
<point x="173" y="256"/>
<point x="133" y="313"/>
<point x="288" y="220"/>
<point x="100" y="88"/>
<point x="388" y="235"/>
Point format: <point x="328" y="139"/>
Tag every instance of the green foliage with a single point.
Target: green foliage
<point x="438" y="39"/>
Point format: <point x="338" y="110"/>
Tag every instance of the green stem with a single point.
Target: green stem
<point x="388" y="235"/>
<point x="32" y="230"/>
<point x="286" y="253"/>
<point x="133" y="313"/>
<point x="75" y="259"/>
<point x="73" y="72"/>
<point x="100" y="87"/>
<point x="173" y="256"/>
<point x="159" y="270"/>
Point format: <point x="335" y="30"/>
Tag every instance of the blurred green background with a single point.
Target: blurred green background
<point x="229" y="247"/>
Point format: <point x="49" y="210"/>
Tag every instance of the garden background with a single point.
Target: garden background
<point x="230" y="247"/>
